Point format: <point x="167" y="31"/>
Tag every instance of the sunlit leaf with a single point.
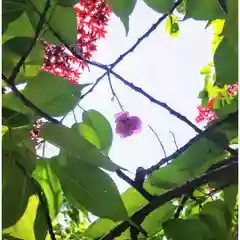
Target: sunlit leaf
<point x="172" y="26"/>
<point x="23" y="229"/>
<point x="90" y="187"/>
<point x="101" y="126"/>
<point x="161" y="178"/>
<point x="188" y="229"/>
<point x="88" y="133"/>
<point x="15" y="28"/>
<point x="53" y="95"/>
<point x="153" y="222"/>
<point x="50" y="185"/>
<point x="75" y="144"/>
<point x="16" y="190"/>
<point x="133" y="201"/>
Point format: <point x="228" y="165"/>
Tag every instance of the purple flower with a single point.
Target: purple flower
<point x="127" y="125"/>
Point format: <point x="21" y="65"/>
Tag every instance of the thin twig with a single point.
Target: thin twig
<point x="81" y="107"/>
<point x="154" y="100"/>
<point x="39" y="26"/>
<point x="159" y="140"/>
<point x="174" y="139"/>
<point x="74" y="116"/>
<point x="204" y="133"/>
<point x="113" y="92"/>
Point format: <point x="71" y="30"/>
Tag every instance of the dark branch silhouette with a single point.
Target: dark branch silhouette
<point x="39" y="27"/>
<point x="28" y="103"/>
<point x="229" y="168"/>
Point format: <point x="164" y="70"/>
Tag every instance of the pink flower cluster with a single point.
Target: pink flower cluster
<point x="207" y="113"/>
<point x="127" y="125"/>
<point x="92" y="17"/>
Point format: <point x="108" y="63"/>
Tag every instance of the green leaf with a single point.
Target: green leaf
<point x="102" y="128"/>
<point x="67" y="3"/>
<point x="229" y="128"/>
<point x="161" y="179"/>
<point x="153" y="222"/>
<point x="9" y="237"/>
<point x="13" y="53"/>
<point x="71" y="141"/>
<point x="91" y="188"/>
<point x="224" y="108"/>
<point x="16" y="190"/>
<point x="211" y="222"/>
<point x="4" y="130"/>
<point x="15" y="28"/>
<point x="205" y="70"/>
<point x="10" y="101"/>
<point x="220" y="212"/>
<point x="204" y="10"/>
<point x="99" y="228"/>
<point x="123" y="9"/>
<point x="23" y="229"/>
<point x="63" y="21"/>
<point x="198" y="157"/>
<point x="187" y="229"/>
<point x="13" y="119"/>
<point x="226" y="71"/>
<point x="40" y="225"/>
<point x="88" y="133"/>
<point x="230" y="197"/>
<point x="11" y="10"/>
<point x="231" y="24"/>
<point x="53" y="95"/>
<point x="50" y="185"/>
<point x="17" y="138"/>
<point x="172" y="26"/>
<point x="59" y="19"/>
<point x="204" y="96"/>
<point x="160" y="6"/>
<point x="133" y="201"/>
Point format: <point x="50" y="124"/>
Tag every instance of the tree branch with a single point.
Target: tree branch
<point x="40" y="24"/>
<point x="139" y="216"/>
<point x="28" y="103"/>
<point x="135" y="184"/>
<point x="204" y="133"/>
<point x="122" y="56"/>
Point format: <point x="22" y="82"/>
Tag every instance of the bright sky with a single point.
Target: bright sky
<point x="167" y="68"/>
